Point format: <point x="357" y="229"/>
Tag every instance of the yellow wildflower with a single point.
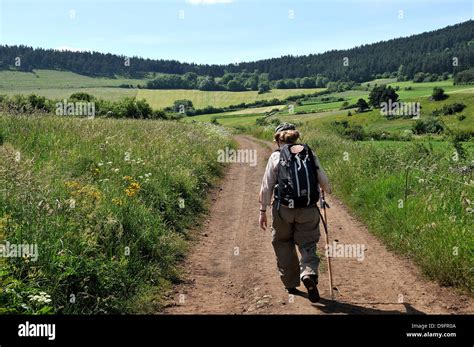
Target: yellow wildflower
<point x="117" y="202"/>
<point x="135" y="185"/>
<point x="130" y="192"/>
<point x="85" y="191"/>
<point x="72" y="184"/>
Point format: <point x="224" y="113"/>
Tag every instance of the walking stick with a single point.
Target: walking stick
<point x="324" y="220"/>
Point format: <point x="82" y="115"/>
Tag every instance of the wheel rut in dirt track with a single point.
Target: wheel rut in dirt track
<point x="231" y="267"/>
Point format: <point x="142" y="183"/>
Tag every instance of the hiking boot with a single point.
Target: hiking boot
<point x="291" y="290"/>
<point x="310" y="282"/>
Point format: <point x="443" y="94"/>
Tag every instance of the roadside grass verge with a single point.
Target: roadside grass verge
<point x="413" y="196"/>
<point x="107" y="202"/>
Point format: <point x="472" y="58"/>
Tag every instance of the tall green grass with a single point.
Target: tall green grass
<point x="107" y="202"/>
<point x="414" y="197"/>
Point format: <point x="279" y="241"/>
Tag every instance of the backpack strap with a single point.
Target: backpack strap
<point x="285" y="153"/>
<point x="278" y="169"/>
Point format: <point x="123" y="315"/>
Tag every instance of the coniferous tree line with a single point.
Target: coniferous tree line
<point x="431" y="52"/>
<point x="448" y="50"/>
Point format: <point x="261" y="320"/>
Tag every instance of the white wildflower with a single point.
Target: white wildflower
<point x="41" y="298"/>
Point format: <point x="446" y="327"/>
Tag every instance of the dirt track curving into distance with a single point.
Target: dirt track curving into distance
<point x="231" y="268"/>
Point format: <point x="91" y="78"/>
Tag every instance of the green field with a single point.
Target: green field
<point x="247" y="119"/>
<point x="316" y="104"/>
<point x="46" y="79"/>
<point x="256" y="110"/>
<point x="229" y="120"/>
<point x="374" y="121"/>
<point x="163" y="98"/>
<point x="424" y="89"/>
<point x="241" y="117"/>
<point x="61" y="84"/>
<point x="327" y="112"/>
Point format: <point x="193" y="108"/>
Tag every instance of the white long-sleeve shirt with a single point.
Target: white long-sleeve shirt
<point x="271" y="176"/>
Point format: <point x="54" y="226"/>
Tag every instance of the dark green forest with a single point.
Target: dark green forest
<point x="431" y="52"/>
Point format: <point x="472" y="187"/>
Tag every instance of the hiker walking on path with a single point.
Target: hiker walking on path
<point x="293" y="176"/>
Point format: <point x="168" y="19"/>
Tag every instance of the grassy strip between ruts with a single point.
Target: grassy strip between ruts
<point x="107" y="202"/>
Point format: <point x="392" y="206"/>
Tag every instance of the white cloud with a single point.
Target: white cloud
<point x="208" y="2"/>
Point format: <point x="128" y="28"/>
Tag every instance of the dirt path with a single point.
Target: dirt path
<point x="232" y="269"/>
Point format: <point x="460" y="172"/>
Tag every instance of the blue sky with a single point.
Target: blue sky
<point x="220" y="31"/>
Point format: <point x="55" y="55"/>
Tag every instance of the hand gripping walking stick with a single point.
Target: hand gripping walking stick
<point x="324" y="220"/>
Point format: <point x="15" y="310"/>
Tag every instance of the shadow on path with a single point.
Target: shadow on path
<point x="334" y="306"/>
